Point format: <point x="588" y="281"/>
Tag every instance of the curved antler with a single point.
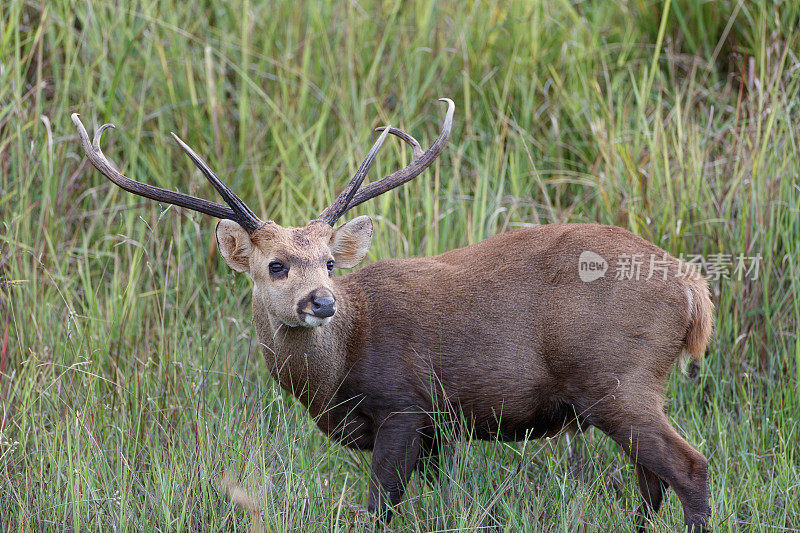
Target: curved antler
<point x="342" y="202"/>
<point x="420" y="161"/>
<point x="351" y="196"/>
<point x="238" y="211"/>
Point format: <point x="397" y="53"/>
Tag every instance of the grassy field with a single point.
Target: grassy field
<point x="133" y="395"/>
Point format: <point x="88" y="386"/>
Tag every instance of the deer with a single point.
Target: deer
<point x="505" y="333"/>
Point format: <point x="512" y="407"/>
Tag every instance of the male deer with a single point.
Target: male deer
<point x="505" y="332"/>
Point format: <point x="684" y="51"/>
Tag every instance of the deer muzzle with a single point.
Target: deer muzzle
<point x="317" y="308"/>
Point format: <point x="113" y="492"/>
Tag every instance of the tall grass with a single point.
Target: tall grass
<point x="129" y="380"/>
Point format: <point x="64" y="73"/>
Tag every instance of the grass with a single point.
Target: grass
<point x="132" y="395"/>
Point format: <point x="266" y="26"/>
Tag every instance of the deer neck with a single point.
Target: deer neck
<point x="310" y="363"/>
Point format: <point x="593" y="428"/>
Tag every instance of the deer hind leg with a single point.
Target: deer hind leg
<point x="428" y="465"/>
<point x="653" y="443"/>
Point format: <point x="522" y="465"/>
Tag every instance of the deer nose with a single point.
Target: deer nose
<point x="323" y="306"/>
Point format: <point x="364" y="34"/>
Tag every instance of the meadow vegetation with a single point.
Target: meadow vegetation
<point x="133" y="394"/>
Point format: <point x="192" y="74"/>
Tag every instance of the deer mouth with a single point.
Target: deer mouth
<point x="311" y="321"/>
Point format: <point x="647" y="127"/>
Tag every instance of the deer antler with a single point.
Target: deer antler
<point x="341" y="204"/>
<point x="237" y="210"/>
<point x="349" y="198"/>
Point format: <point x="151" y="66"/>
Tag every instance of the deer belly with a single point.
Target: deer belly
<point x="509" y="423"/>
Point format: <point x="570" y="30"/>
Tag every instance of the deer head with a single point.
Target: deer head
<point x="291" y="267"/>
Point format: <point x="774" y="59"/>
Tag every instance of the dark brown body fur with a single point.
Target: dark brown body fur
<point x="505" y="333"/>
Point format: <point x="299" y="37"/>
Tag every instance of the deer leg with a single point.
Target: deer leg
<point x="394" y="457"/>
<point x="652" y="489"/>
<point x="651" y="440"/>
<point x="428" y="465"/>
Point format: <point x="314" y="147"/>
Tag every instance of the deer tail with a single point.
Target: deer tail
<point x="701" y="322"/>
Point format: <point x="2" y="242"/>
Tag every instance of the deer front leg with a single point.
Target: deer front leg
<point x="394" y="456"/>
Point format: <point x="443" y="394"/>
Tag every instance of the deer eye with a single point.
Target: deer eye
<point x="276" y="267"/>
<point x="329" y="264"/>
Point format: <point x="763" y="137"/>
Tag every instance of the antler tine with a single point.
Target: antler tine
<point x="421" y="160"/>
<point x="418" y="151"/>
<point x="237" y="211"/>
<point x="342" y="202"/>
<point x="246" y="218"/>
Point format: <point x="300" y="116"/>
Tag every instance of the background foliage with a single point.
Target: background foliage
<point x="132" y="394"/>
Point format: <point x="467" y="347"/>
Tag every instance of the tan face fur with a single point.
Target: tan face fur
<point x="290" y="266"/>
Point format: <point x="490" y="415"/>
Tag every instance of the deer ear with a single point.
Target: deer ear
<point x="234" y="245"/>
<point x="350" y="242"/>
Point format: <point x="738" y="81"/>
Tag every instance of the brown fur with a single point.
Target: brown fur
<point x="503" y="332"/>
